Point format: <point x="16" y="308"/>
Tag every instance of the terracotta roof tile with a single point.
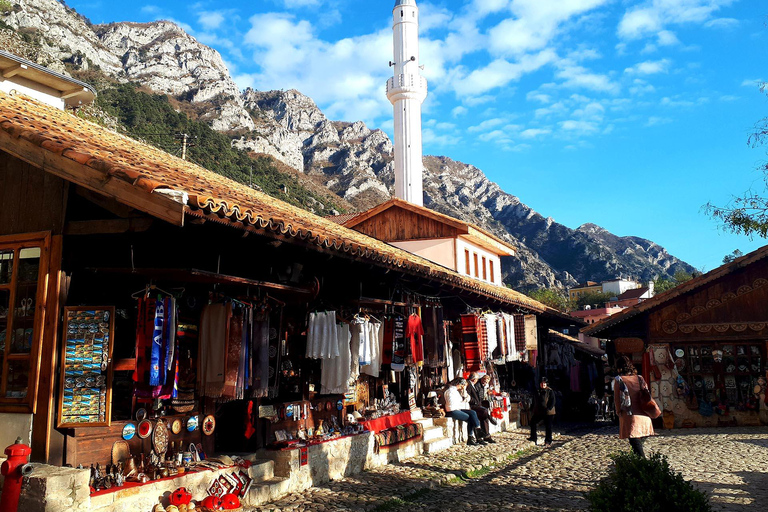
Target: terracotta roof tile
<point x="213" y="196"/>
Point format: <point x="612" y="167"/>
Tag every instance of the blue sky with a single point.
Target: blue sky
<point x="630" y="114"/>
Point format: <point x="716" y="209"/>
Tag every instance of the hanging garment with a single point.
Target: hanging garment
<point x="389" y="337"/>
<point x="398" y="344"/>
<point x="335" y="372"/>
<point x="214" y="331"/>
<point x="509" y="326"/>
<point x="502" y="334"/>
<point x="415" y="333"/>
<point x="357" y="329"/>
<point x="470" y="343"/>
<point x="482" y="337"/>
<point x="233" y="350"/>
<point x="430" y="340"/>
<point x="260" y="354"/>
<point x="576" y="377"/>
<point x="491" y="334"/>
<point x="376" y="340"/>
<point x="519" y="326"/>
<point x="458" y="366"/>
<point x="144" y="328"/>
<point x="442" y="337"/>
<point x="449" y="362"/>
<point x="321" y="335"/>
<point x="360" y="326"/>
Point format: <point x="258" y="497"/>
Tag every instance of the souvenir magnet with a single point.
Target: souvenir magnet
<point x="176" y="426"/>
<point x="145" y="428"/>
<point x="209" y="425"/>
<point x="129" y="430"/>
<point x="192" y="423"/>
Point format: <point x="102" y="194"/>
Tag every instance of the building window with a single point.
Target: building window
<point x="22" y="263"/>
<point x="477" y="272"/>
<point x="466" y="259"/>
<point x="493" y="279"/>
<point x="485" y="272"/>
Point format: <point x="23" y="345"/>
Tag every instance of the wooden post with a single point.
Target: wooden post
<point x="46" y="395"/>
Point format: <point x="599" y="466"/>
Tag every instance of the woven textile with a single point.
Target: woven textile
<point x="519" y="332"/>
<point x="398" y="434"/>
<point x="482" y="336"/>
<point x="470" y="343"/>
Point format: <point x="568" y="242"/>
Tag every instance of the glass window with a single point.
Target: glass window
<point x="493" y="279"/>
<point x="485" y="272"/>
<point x="466" y="257"/>
<point x="477" y="272"/>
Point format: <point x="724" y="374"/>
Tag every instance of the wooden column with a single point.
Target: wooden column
<point x="46" y="396"/>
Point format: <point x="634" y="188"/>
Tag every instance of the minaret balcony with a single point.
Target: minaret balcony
<point x="407" y="86"/>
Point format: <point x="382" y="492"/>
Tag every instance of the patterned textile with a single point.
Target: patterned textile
<point x="470" y="343"/>
<point x="519" y="332"/>
<point x="397" y="434"/>
<point x="482" y="336"/>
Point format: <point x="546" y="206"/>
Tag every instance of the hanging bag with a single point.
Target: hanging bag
<point x="647" y="403"/>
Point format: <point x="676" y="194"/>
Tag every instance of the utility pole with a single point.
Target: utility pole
<point x="184" y="147"/>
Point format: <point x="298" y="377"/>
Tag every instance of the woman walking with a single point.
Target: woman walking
<point x="634" y="424"/>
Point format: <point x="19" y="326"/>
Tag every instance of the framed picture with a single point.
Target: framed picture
<point x="85" y="392"/>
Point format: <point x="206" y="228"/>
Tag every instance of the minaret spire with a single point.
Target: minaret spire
<point x="406" y="90"/>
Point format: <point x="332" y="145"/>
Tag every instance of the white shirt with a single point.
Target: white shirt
<point x="454" y="401"/>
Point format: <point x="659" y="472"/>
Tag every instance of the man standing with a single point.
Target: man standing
<point x="476" y="394"/>
<point x="543" y="410"/>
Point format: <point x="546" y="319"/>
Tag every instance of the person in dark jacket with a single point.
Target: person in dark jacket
<point x="475" y="392"/>
<point x="543" y="410"/>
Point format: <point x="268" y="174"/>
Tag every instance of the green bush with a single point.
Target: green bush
<point x="637" y="484"/>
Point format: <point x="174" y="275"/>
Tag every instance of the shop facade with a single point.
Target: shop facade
<point x="702" y="345"/>
<point x="156" y="315"/>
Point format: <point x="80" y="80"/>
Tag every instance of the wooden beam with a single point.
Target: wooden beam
<point x="155" y="205"/>
<point x="14" y="70"/>
<point x="108" y="227"/>
<point x="107" y="203"/>
<point x="72" y="92"/>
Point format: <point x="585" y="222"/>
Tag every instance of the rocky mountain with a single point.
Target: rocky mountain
<point x="348" y="159"/>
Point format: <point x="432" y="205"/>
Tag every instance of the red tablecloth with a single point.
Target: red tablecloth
<point x="386" y="422"/>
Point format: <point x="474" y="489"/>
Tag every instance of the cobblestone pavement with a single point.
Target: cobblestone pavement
<point x="730" y="464"/>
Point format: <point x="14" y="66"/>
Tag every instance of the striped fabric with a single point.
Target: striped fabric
<point x="519" y="332"/>
<point x="482" y="335"/>
<point x="470" y="343"/>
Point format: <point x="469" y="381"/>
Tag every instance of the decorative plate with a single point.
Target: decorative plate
<point x="209" y="425"/>
<point x="289" y="411"/>
<point x="141" y="414"/>
<point x="192" y="423"/>
<point x="176" y="426"/>
<point x="145" y="428"/>
<point x="328" y="405"/>
<point x="679" y="352"/>
<point x="160" y="437"/>
<point x="129" y="430"/>
<point x="272" y="351"/>
<point x="340" y="405"/>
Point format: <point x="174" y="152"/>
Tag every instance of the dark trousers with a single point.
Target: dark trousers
<point x="467" y="415"/>
<point x="483" y="415"/>
<point x="637" y="445"/>
<point x="547" y="419"/>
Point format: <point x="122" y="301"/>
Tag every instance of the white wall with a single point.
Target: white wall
<point x="618" y="286"/>
<point x="441" y="250"/>
<point x="32" y="89"/>
<point x="12" y="426"/>
<point x="461" y="266"/>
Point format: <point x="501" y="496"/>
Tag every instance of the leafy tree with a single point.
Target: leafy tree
<point x="552" y="297"/>
<point x="748" y="214"/>
<point x="593" y="299"/>
<point x="663" y="283"/>
<point x="730" y="257"/>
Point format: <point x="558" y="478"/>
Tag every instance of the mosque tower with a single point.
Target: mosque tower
<point x="406" y="90"/>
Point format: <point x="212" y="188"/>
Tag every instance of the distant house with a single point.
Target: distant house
<point x="452" y="243"/>
<point x="593" y="315"/>
<point x="584" y="289"/>
<point x="38" y="82"/>
<point x="632" y="297"/>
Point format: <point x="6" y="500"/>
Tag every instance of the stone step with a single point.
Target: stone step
<point x="425" y="422"/>
<point x="261" y="469"/>
<point x="437" y="445"/>
<point x="267" y="490"/>
<point x="431" y="433"/>
<point x="416" y="414"/>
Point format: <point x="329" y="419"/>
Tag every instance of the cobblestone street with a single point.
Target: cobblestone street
<point x="729" y="464"/>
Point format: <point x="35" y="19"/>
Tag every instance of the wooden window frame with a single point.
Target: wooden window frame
<point x="477" y="272"/>
<point x="485" y="270"/>
<point x="41" y="240"/>
<point x="493" y="278"/>
<point x="466" y="258"/>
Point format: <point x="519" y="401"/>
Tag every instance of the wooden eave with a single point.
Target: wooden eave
<point x="12" y="65"/>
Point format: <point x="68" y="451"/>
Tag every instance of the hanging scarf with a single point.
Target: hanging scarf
<point x="234" y="343"/>
<point x="155" y="375"/>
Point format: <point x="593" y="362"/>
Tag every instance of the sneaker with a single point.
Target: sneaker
<point x="482" y="442"/>
<point x="472" y="442"/>
<point x="489" y="440"/>
<point x="493" y="421"/>
<point x="532" y="439"/>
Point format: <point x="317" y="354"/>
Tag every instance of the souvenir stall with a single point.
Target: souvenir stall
<point x="702" y="346"/>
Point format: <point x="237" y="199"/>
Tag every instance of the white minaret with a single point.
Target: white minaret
<point x="406" y="91"/>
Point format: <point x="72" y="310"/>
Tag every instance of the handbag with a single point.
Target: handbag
<point x="647" y="403"/>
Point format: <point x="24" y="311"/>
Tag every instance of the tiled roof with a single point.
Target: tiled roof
<point x="67" y="141"/>
<point x="343" y="218"/>
<point x="688" y="286"/>
<point x="635" y="293"/>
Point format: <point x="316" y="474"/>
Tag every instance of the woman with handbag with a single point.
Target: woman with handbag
<point x="631" y="399"/>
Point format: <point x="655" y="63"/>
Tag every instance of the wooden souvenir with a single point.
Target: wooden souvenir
<point x="85" y="393"/>
<point x="160" y="437"/>
<point x="176" y="426"/>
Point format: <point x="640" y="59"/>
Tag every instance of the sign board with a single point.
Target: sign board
<point x="531" y="333"/>
<point x="629" y="345"/>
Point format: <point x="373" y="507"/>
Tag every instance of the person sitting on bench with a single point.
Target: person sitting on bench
<point x="457" y="407"/>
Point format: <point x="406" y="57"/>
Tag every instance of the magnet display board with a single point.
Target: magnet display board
<point x="85" y="397"/>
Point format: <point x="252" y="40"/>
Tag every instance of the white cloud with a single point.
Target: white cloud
<point x="295" y="4"/>
<point x="532" y="133"/>
<point x="459" y="111"/>
<point x="752" y="82"/>
<point x="723" y="23"/>
<point x="211" y="20"/>
<point x="640" y="87"/>
<point x="151" y="9"/>
<point x="474" y="101"/>
<point x="538" y="96"/>
<point x="496" y="136"/>
<point x="729" y="98"/>
<point x="486" y="125"/>
<point x="655" y="121"/>
<point x="579" y="127"/>
<point x="667" y="38"/>
<point x="429" y="137"/>
<point x="501" y="72"/>
<point x="652" y="16"/>
<point x="555" y="109"/>
<point x="580" y="77"/>
<point x="649" y="67"/>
